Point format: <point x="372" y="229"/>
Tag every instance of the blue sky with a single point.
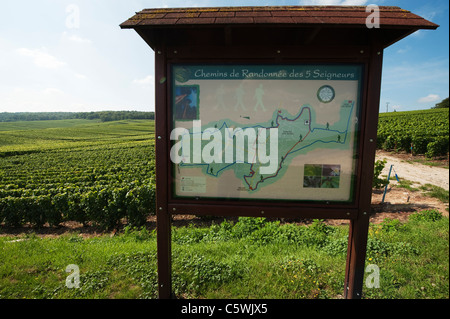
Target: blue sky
<point x="58" y="55"/>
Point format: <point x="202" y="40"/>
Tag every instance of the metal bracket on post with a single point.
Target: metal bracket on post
<point x="385" y="188"/>
<point x="388" y="179"/>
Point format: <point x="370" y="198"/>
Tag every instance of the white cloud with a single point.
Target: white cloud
<point x="52" y="91"/>
<point x="427" y="13"/>
<point x="75" y="38"/>
<point x="80" y="76"/>
<point x="418" y="34"/>
<point x="41" y="58"/>
<point x="404" y="50"/>
<point x="148" y="80"/>
<point x="23" y="99"/>
<point x="78" y="39"/>
<point x="429" y="98"/>
<point x="412" y="75"/>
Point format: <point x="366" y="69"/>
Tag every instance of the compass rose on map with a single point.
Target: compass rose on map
<point x="325" y="94"/>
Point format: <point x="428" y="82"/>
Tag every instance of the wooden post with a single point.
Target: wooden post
<point x="164" y="240"/>
<point x="356" y="255"/>
<point x="357" y="238"/>
<point x="163" y="216"/>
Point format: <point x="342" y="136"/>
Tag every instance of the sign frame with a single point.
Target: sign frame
<point x="173" y="111"/>
<point x="370" y="57"/>
<point x="252" y="208"/>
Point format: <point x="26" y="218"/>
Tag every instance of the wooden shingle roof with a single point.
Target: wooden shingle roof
<point x="319" y="15"/>
<point x="287" y="25"/>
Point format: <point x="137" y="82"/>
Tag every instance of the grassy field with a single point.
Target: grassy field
<point x="38" y="136"/>
<point x="38" y="125"/>
<point x="252" y="258"/>
<point x="84" y="170"/>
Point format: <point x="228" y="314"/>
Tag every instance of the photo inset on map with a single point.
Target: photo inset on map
<point x="186" y="102"/>
<point x="321" y="176"/>
<point x="313" y="176"/>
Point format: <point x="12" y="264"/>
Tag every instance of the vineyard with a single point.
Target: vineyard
<point x="420" y="132"/>
<point x="103" y="173"/>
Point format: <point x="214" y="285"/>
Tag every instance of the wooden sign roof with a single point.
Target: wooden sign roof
<point x="308" y="24"/>
<point x="334" y="15"/>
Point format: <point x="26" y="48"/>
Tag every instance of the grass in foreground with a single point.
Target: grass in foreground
<point x="427" y="190"/>
<point x="436" y="192"/>
<point x="253" y="258"/>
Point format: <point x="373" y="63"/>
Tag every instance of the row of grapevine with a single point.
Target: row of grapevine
<point x="101" y="184"/>
<point x="104" y="174"/>
<point x="421" y="132"/>
<point x="105" y="208"/>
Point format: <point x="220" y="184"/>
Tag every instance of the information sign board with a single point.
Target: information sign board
<point x="265" y="132"/>
<point x="269" y="111"/>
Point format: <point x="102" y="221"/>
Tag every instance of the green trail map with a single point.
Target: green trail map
<point x="230" y="113"/>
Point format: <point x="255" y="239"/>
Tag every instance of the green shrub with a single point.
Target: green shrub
<point x="427" y="130"/>
<point x="105" y="206"/>
<point x="222" y="232"/>
<point x="13" y="211"/>
<point x="319" y="226"/>
<point x="379" y="182"/>
<point x="197" y="272"/>
<point x="247" y="225"/>
<point x="337" y="246"/>
<point x="291" y="234"/>
<point x="377" y="248"/>
<point x="389" y="143"/>
<point x="390" y="225"/>
<point x="438" y="147"/>
<point x="266" y="234"/>
<point x="420" y="143"/>
<point x="430" y="215"/>
<point x="189" y="235"/>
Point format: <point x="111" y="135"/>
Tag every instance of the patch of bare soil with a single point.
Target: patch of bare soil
<point x="399" y="203"/>
<point x="442" y="161"/>
<point x="411" y="168"/>
<point x="66" y="228"/>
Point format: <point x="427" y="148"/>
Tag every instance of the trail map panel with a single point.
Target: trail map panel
<point x="266" y="132"/>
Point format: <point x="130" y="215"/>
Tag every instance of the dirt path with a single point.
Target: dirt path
<point x="415" y="172"/>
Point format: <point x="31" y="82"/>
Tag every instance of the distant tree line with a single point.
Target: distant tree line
<point x="103" y="116"/>
<point x="442" y="104"/>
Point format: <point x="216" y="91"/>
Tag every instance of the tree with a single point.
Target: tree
<point x="442" y="104"/>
